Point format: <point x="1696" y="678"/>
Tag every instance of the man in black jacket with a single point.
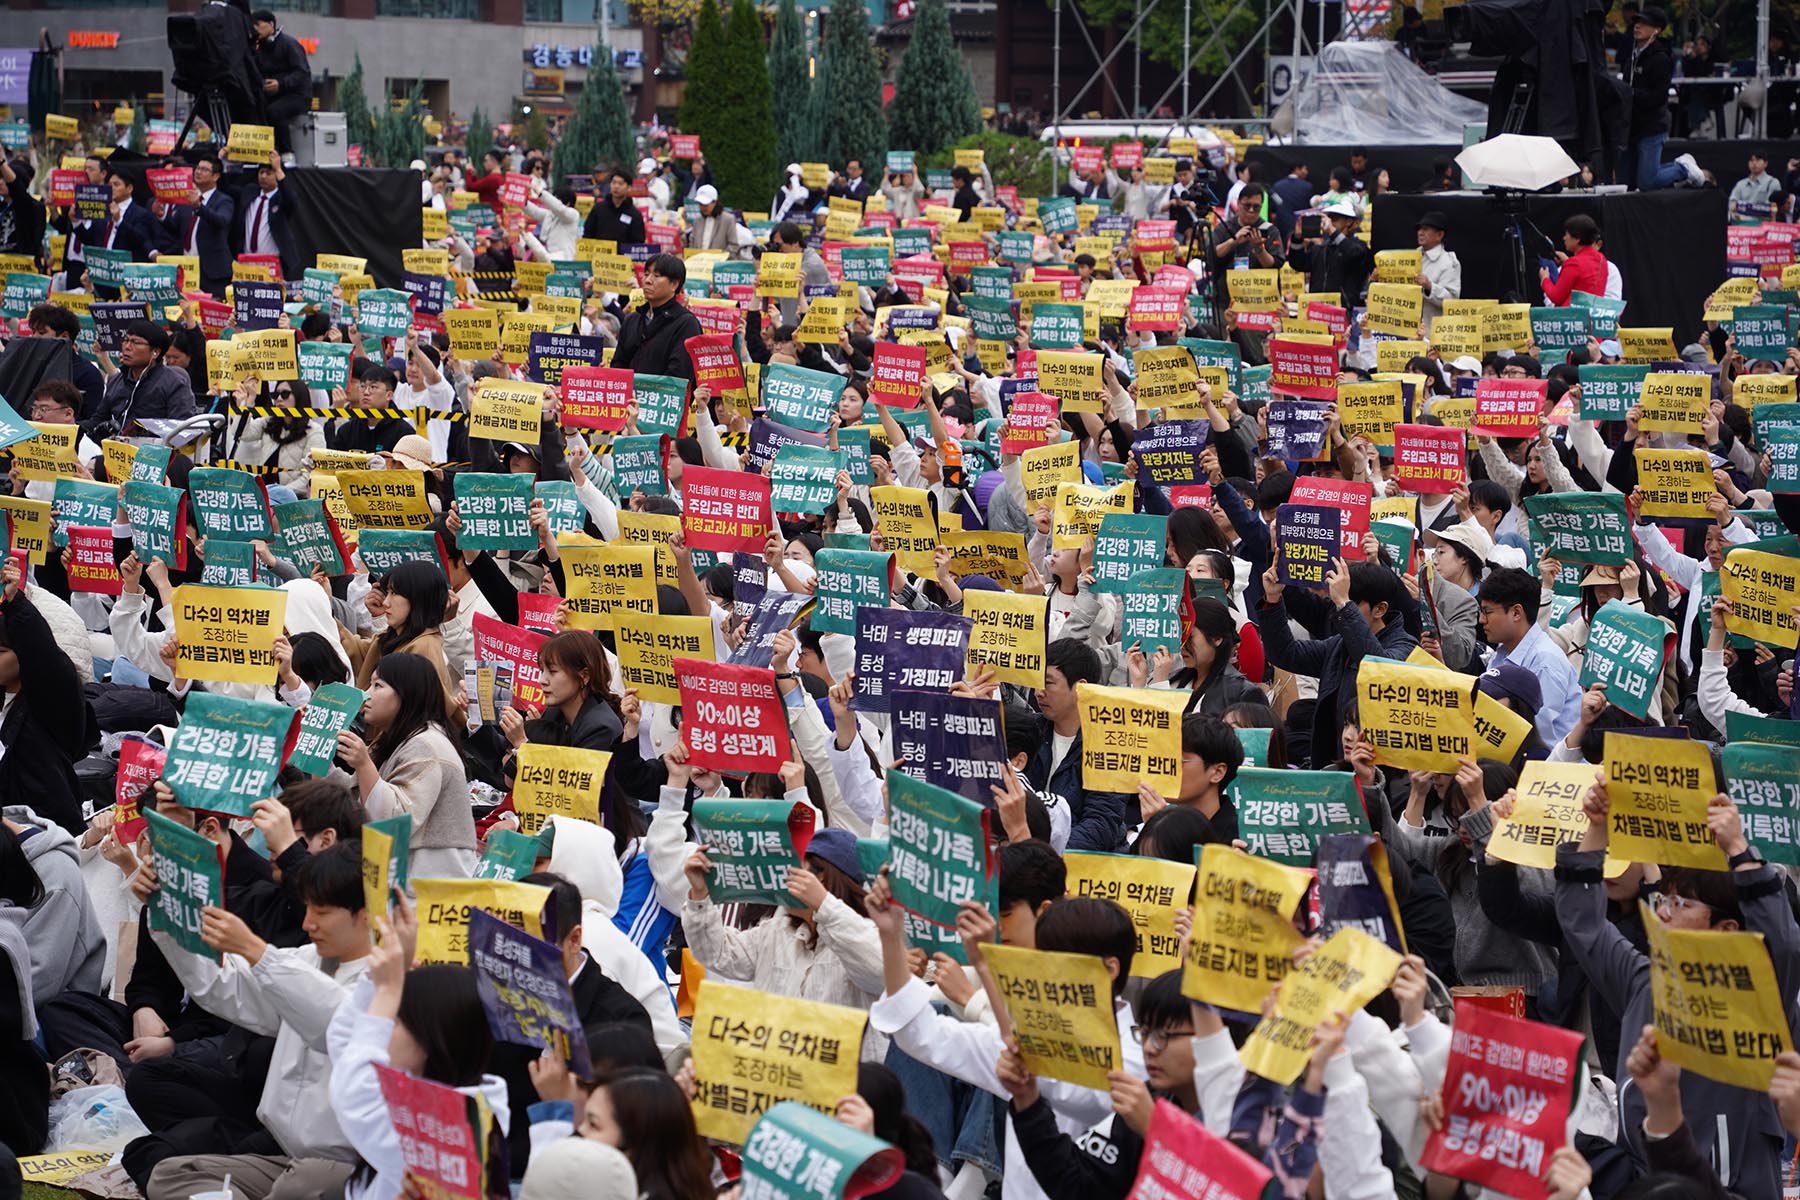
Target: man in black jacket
<point x="1649" y="71"/>
<point x="286" y="77"/>
<point x="144" y="389"/>
<point x="202" y="225"/>
<point x="653" y="339"/>
<point x="1339" y="261"/>
<point x="615" y="215"/>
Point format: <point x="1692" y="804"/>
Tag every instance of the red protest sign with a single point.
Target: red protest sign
<point x="1265" y="321"/>
<point x="515" y="189"/>
<point x="725" y="510"/>
<point x="140" y="765"/>
<point x="496" y="641"/>
<point x="1182" y="1158"/>
<point x="1352" y="498"/>
<point x="442" y="1133"/>
<point x="1174" y="275"/>
<point x="1332" y="316"/>
<point x="171" y="184"/>
<point x="1029" y="422"/>
<point x="899" y="374"/>
<point x="1153" y="235"/>
<point x="271" y="261"/>
<point x="917" y="273"/>
<point x="684" y="145"/>
<point x="1087" y="158"/>
<point x="1507" y="1093"/>
<point x="1509" y="407"/>
<point x="731" y="717"/>
<point x="596" y="397"/>
<point x="719" y="320"/>
<point x="1305" y="369"/>
<point x="1429" y="458"/>
<point x="63" y="184"/>
<point x="1126" y="155"/>
<point x="1158" y="308"/>
<point x="1191" y="495"/>
<point x="91" y="566"/>
<point x="215" y="315"/>
<point x="716" y="364"/>
<point x="537" y="612"/>
<point x="966" y="254"/>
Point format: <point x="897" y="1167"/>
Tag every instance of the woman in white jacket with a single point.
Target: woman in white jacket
<point x="559" y="223"/>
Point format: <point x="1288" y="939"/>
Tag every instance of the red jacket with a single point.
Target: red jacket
<point x="1584" y="271"/>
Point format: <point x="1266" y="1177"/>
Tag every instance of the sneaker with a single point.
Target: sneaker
<point x="1686" y="162"/>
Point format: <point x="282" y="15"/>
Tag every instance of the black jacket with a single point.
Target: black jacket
<point x="212" y="236"/>
<point x="652" y="341"/>
<point x="623" y="225"/>
<point x="1649" y="73"/>
<point x="26" y="214"/>
<point x="283" y="59"/>
<point x="48" y="725"/>
<point x="1339" y="264"/>
<point x="160" y="392"/>
<point x="138" y="232"/>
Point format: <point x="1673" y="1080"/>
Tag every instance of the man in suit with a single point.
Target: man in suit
<point x="202" y="226"/>
<point x="287" y="77"/>
<point x="263" y="227"/>
<point x="129" y="226"/>
<point x="851" y="184"/>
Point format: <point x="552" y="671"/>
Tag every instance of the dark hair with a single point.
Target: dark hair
<point x="565" y="901"/>
<point x="1274" y="490"/>
<point x="55" y="319"/>
<point x="1214" y="622"/>
<point x="1251" y="714"/>
<point x="576" y="651"/>
<point x="262" y="14"/>
<point x="1582" y="228"/>
<point x="656" y="1132"/>
<point x="426" y="592"/>
<point x="440" y="1008"/>
<point x="1715" y="889"/>
<point x="421" y="691"/>
<point x="615" y="1046"/>
<point x="315" y="661"/>
<point x="1251" y="191"/>
<point x="1214" y="742"/>
<point x="316" y="325"/>
<point x="1161" y="1005"/>
<point x="1076" y="660"/>
<point x="210" y="159"/>
<point x="382" y="375"/>
<point x="1507" y="586"/>
<point x="789" y="233"/>
<point x="1371" y="583"/>
<point x="332" y="878"/>
<point x="151" y="332"/>
<point x="669" y="266"/>
<point x="1191" y="530"/>
<point x="60" y="391"/>
<point x="1023" y="734"/>
<point x="1087" y="926"/>
<point x="316" y="805"/>
<point x="1030" y="873"/>
<point x="880" y="1088"/>
<point x="1342" y="179"/>
<point x="1174" y="834"/>
<point x="1490" y="494"/>
<point x="20" y="884"/>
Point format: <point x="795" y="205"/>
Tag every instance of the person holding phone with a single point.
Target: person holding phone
<point x="1583" y="267"/>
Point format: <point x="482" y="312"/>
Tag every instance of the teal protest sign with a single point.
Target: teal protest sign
<point x="938" y="844"/>
<point x="1257" y="389"/>
<point x="662" y="403"/>
<point x="310" y="537"/>
<point x="854" y="442"/>
<point x="1283" y="814"/>
<point x="847" y="541"/>
<point x="866" y="264"/>
<point x="1782" y="444"/>
<point x="1766" y="731"/>
<point x="495" y="511"/>
<point x="1559" y="330"/>
<point x="383" y="312"/>
<point x="230" y="504"/>
<point x="1764" y="783"/>
<point x="1056" y="326"/>
<point x="1015" y="246"/>
<point x="562" y="506"/>
<point x="14" y="428"/>
<point x="24" y="292"/>
<point x="1155" y="610"/>
<point x="1760" y="331"/>
<point x="899" y="162"/>
<point x="849" y="580"/>
<point x="803" y="479"/>
<point x="1582" y="527"/>
<point x="1766" y="417"/>
<point x="1603" y="314"/>
<point x="1256" y="746"/>
<point x="398" y="834"/>
<point x="1058" y="216"/>
<point x="324" y="365"/>
<point x="158" y="517"/>
<point x="1610" y="390"/>
<point x="82" y="502"/>
<point x="752" y="845"/>
<point x="153" y="283"/>
<point x="798" y="1153"/>
<point x="508" y="856"/>
<point x="381" y="550"/>
<point x="1210" y="353"/>
<point x="316" y="288"/>
<point x="106" y="268"/>
<point x="326" y="715"/>
<point x="1764" y="522"/>
<point x="190" y="876"/>
<point x="1126" y="544"/>
<point x="16" y="135"/>
<point x="800" y="397"/>
<point x="992" y="283"/>
<point x="1625" y="651"/>
<point x="991" y="320"/>
<point x="151" y="464"/>
<point x="227" y="751"/>
<point x="637" y="462"/>
<point x="234" y="564"/>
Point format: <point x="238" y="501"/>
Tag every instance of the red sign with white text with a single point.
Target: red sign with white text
<point x="1126" y="155"/>
<point x="1509" y="407"/>
<point x="91" y="565"/>
<point x="515" y="189"/>
<point x="1352" y="498"/>
<point x="1087" y="158"/>
<point x="684" y="145"/>
<point x="140" y="765"/>
<point x="1029" y="422"/>
<point x="899" y="374"/>
<point x="732" y="718"/>
<point x="1191" y="495"/>
<point x="496" y="641"/>
<point x="440" y="1137"/>
<point x="1182" y="1158"/>
<point x="716" y="364"/>
<point x="1304" y="369"/>
<point x="725" y="511"/>
<point x="1430" y="458"/>
<point x="596" y="397"/>
<point x="171" y="184"/>
<point x="1158" y="308"/>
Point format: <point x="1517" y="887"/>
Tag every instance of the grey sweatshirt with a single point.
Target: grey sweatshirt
<point x="68" y="947"/>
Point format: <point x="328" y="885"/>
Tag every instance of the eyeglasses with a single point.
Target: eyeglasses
<point x="1154" y="1040"/>
<point x="1667" y="905"/>
<point x="134" y="341"/>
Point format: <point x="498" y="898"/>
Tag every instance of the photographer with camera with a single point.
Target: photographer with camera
<point x="1244" y="241"/>
<point x="1186" y="203"/>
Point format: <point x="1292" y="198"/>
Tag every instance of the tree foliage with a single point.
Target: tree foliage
<point x="353" y="101"/>
<point x="702" y="108"/>
<point x="742" y="156"/>
<point x="532" y="128"/>
<point x="138" y="136"/>
<point x="480" y="136"/>
<point x="1161" y="34"/>
<point x="792" y="85"/>
<point x="847" y="93"/>
<point x="1020" y="162"/>
<point x="399" y="133"/>
<point x="599" y="130"/>
<point x="934" y="101"/>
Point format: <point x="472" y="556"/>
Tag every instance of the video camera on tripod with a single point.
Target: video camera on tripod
<point x="211" y="49"/>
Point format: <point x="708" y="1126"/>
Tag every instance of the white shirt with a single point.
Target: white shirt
<point x="193" y="239"/>
<point x="1615" y="282"/>
<point x="112" y="229"/>
<point x="257" y="232"/>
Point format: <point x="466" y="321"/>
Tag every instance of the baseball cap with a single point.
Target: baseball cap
<point x="706" y="194"/>
<point x="1611" y="348"/>
<point x="646" y="166"/>
<point x="837" y="847"/>
<point x="1467" y="362"/>
<point x="521" y="448"/>
<point x="1343" y="208"/>
<point x="1510" y="681"/>
<point x="1466" y="534"/>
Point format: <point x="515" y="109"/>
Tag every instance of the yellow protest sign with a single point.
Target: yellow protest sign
<point x="1042" y="469"/>
<point x="474" y="332"/>
<point x="426" y="260"/>
<point x="1000" y="556"/>
<point x="323" y="485"/>
<point x="227" y="635"/>
<point x="1659" y="789"/>
<point x="1254" y="289"/>
<point x="341" y="264"/>
<point x="61" y="128"/>
<point x="1456" y="336"/>
<point x="1008" y="636"/>
<point x="1674" y="483"/>
<point x="1341" y="976"/>
<point x="557" y="781"/>
<point x="386" y="499"/>
<point x="516" y="329"/>
<point x="1467" y="307"/>
<point x="119" y="457"/>
<point x="55" y="1170"/>
<point x="1546" y="813"/>
<point x="268" y="354"/>
<point x="823" y="321"/>
<point x="1717" y="1003"/>
<point x="648" y="646"/>
<point x="1114" y="295"/>
<point x="609" y="579"/>
<point x="507" y="410"/>
<point x="1763" y="589"/>
<point x="1647" y="344"/>
<point x="752" y="1050"/>
<point x="49" y="455"/>
<point x="1061" y="1007"/>
<point x="613" y="273"/>
<point x="1371" y="410"/>
<point x="1391" y="357"/>
<point x="1167" y="379"/>
<point x="1729" y="295"/>
<point x="563" y="311"/>
<point x="377" y="859"/>
<point x="1499" y="731"/>
<point x="434" y="224"/>
<point x="1396" y="307"/>
<point x="332" y="461"/>
<point x="1130" y="736"/>
<point x="250" y="143"/>
<point x="530" y="278"/>
<point x="1159" y="169"/>
<point x="442" y="907"/>
<point x="778" y="275"/>
<point x="1506" y="327"/>
<point x="653" y="529"/>
<point x="903" y="517"/>
<point x="79" y="302"/>
<point x="1079" y="507"/>
<point x="1674" y="400"/>
<point x="1417" y="718"/>
<point x="1747" y="391"/>
<point x="1398" y="266"/>
<point x="30" y="524"/>
<point x="972" y="159"/>
<point x="1243" y="936"/>
<point x="1151" y="889"/>
<point x="1074" y="377"/>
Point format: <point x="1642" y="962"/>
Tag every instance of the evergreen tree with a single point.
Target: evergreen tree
<point x="480" y="136"/>
<point x="702" y="110"/>
<point x="812" y="144"/>
<point x="743" y="160"/>
<point x="137" y="137"/>
<point x="934" y="102"/>
<point x="399" y="135"/>
<point x="598" y="132"/>
<point x="359" y="122"/>
<point x="533" y="129"/>
<point x="851" y="95"/>
<point x="791" y="83"/>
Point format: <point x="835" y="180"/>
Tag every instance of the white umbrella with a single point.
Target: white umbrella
<point x="1514" y="160"/>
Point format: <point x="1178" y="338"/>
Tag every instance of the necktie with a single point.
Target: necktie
<point x="106" y="234"/>
<point x="193" y="222"/>
<point x="256" y="221"/>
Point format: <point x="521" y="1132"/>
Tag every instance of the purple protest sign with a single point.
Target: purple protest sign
<point x="524" y="990"/>
<point x="896" y="649"/>
<point x="1306" y="540"/>
<point x="15" y="75"/>
<point x="749" y="583"/>
<point x="955" y="742"/>
<point x="1168" y="453"/>
<point x="1296" y="430"/>
<point x="768" y="437"/>
<point x="1356" y="889"/>
<point x="775" y="612"/>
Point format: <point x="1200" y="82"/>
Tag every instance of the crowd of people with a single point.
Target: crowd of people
<point x="1217" y="362"/>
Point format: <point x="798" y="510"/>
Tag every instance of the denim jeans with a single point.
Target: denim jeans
<point x="960" y="1117"/>
<point x="1644" y="168"/>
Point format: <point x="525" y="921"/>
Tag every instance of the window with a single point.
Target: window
<point x="458" y="10"/>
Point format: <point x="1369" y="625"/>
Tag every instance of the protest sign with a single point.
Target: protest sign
<point x="1283" y="814"/>
<point x="1717" y="1003"/>
<point x="725" y="510"/>
<point x="387" y="499"/>
<point x="648" y="646"/>
<point x="443" y="907"/>
<point x="386" y="854"/>
<point x="1044" y="469"/>
<point x="1371" y="410"/>
<point x="606" y="580"/>
<point x="1168" y="452"/>
<point x="1306" y="540"/>
<point x="753" y="1050"/>
<point x="1182" y="1158"/>
<point x="800" y="397"/>
<point x="1764" y="783"/>
<point x="190" y="873"/>
<point x="507" y="411"/>
<point x="733" y="718"/>
<point x="1674" y="483"/>
<point x="803" y="479"/>
<point x="1582" y="527"/>
<point x="1625" y="650"/>
<point x="90" y="561"/>
<point x="1782" y="445"/>
<point x="1304" y="366"/>
<point x="1150" y="889"/>
<point x="443" y="1132"/>
<point x="1396" y="306"/>
<point x="1507" y="1094"/>
<point x="1243" y="934"/>
<point x="227" y="635"/>
<point x="1126" y="544"/>
<point x="227" y="751"/>
<point x="324" y="365"/>
<point x="1031" y="420"/>
<point x="1008" y="634"/>
<point x="753" y="844"/>
<point x="1556" y="331"/>
<point x="1763" y="589"/>
<point x="1509" y="408"/>
<point x="899" y="372"/>
<point x="896" y="650"/>
<point x="1000" y="556"/>
<point x="258" y="306"/>
<point x="1061" y="1007"/>
<point x="140" y="764"/>
<point x="940" y="850"/>
<point x="1429" y="459"/>
<point x="496" y="641"/>
<point x="798" y="1153"/>
<point x="1297" y="430"/>
<point x="1130" y="736"/>
<point x="82" y="502"/>
<point x="557" y="781"/>
<point x="849" y="580"/>
<point x="1659" y="789"/>
<point x="596" y="397"/>
<point x="904" y="516"/>
<point x="772" y="613"/>
<point x="1676" y="401"/>
<point x="1079" y="508"/>
<point x="381" y="550"/>
<point x="1155" y="611"/>
<point x="330" y="711"/>
<point x="1546" y="813"/>
<point x="716" y="364"/>
<point x="1417" y="719"/>
<point x="60" y="1168"/>
<point x="524" y="990"/>
<point x="637" y="463"/>
<point x="955" y="742"/>
<point x="309" y="537"/>
<point x="48" y="456"/>
<point x="655" y="530"/>
<point x="550" y="356"/>
<point x="1356" y="889"/>
<point x="28" y="524"/>
<point x="495" y="511"/>
<point x="508" y="856"/>
<point x="1166" y="379"/>
<point x="1349" y="970"/>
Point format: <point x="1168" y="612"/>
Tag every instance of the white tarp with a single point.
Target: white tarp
<point x="1368" y="92"/>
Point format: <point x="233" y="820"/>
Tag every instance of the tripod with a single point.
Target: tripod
<point x="218" y="117"/>
<point x="1519" y="259"/>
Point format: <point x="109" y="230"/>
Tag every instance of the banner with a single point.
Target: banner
<point x="496" y="641"/>
<point x="1625" y="650"/>
<point x="1243" y="935"/>
<point x="1168" y="452"/>
<point x="227" y="635"/>
<point x="753" y="1050"/>
<point x="227" y="750"/>
<point x="1061" y="1007"/>
<point x="648" y="645"/>
<point x="443" y="907"/>
<point x="1717" y="1004"/>
<point x="1590" y="528"/>
<point x="1008" y="634"/>
<point x="387" y="499"/>
<point x="1429" y="459"/>
<point x="800" y="397"/>
<point x="725" y="510"/>
<point x="525" y="992"/>
<point x="915" y="651"/>
<point x="1307" y="538"/>
<point x="1675" y="401"/>
<point x="1282" y="815"/>
<point x="1659" y="790"/>
<point x="1304" y="366"/>
<point x="1341" y="976"/>
<point x="190" y="873"/>
<point x="1509" y="408"/>
<point x="753" y="844"/>
<point x="1610" y="390"/>
<point x="939" y="844"/>
<point x="495" y="511"/>
<point x="443" y="1133"/>
<point x="1763" y="589"/>
<point x="1130" y="736"/>
<point x="733" y="719"/>
<point x="330" y="711"/>
<point x="1079" y="509"/>
<point x="1416" y="718"/>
